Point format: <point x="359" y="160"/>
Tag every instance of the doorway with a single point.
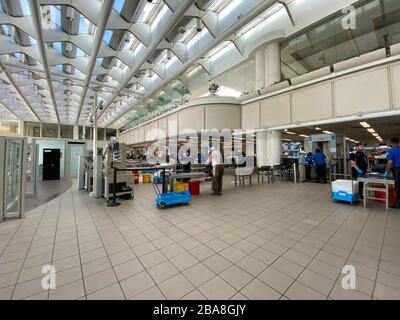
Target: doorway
<point x="51" y="164"/>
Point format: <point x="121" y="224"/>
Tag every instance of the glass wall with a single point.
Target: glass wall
<point x="110" y="133"/>
<point x="100" y="134"/>
<point x="9" y="127"/>
<point x="50" y="130"/>
<point x="66" y="132"/>
<point x="326" y="43"/>
<point x="88" y="133"/>
<point x="32" y="129"/>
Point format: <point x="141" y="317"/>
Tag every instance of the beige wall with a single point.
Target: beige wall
<point x="275" y="111"/>
<point x="222" y="117"/>
<point x="251" y="116"/>
<point x="368" y="91"/>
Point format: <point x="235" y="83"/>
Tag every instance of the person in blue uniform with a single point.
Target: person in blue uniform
<point x="359" y="165"/>
<point x="309" y="164"/>
<point x="394" y="165"/>
<point x="320" y="160"/>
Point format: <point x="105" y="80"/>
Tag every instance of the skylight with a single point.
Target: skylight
<point x="26" y="11"/>
<point x="118" y="4"/>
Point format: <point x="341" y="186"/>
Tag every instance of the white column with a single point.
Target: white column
<point x="262" y="148"/>
<point x="272" y="63"/>
<point x="260" y="68"/>
<point x="274" y="147"/>
<point x="97" y="161"/>
<point x="76" y="133"/>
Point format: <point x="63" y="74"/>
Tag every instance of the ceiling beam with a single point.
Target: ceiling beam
<point x="16" y="87"/>
<point x="105" y="13"/>
<point x="63" y="76"/>
<point x="37" y="24"/>
<point x="172" y="21"/>
<point x="11" y="111"/>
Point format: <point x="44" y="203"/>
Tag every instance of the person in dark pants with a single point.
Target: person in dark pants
<point x="215" y="159"/>
<point x="394" y="165"/>
<point x="359" y="165"/>
<point x="309" y="164"/>
<point x="320" y="163"/>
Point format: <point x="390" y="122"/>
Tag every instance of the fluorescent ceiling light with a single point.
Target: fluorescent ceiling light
<point x="365" y="124"/>
<point x="304" y="136"/>
<point x="327" y="132"/>
<point x="375" y="135"/>
<point x="318" y="129"/>
<point x="371" y="130"/>
<point x="288" y="132"/>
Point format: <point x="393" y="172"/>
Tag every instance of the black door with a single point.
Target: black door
<point x="51" y="164"/>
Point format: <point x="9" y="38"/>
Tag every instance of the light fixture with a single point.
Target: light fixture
<point x="304" y="136"/>
<point x="371" y="130"/>
<point x="365" y="124"/>
<point x="318" y="129"/>
<point x="327" y="132"/>
<point x="288" y="132"/>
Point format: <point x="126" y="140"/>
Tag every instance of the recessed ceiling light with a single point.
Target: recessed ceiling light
<point x="371" y="130"/>
<point x="375" y="135"/>
<point x="365" y="124"/>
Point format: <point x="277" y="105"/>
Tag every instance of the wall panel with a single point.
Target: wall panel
<point x="251" y="116"/>
<point x="223" y="117"/>
<point x="312" y="103"/>
<point x="366" y="91"/>
<point x="275" y="111"/>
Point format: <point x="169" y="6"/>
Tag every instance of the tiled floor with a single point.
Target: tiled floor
<point x="277" y="241"/>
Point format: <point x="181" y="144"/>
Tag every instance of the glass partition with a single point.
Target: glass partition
<point x="66" y="132"/>
<point x="32" y="129"/>
<point x="327" y="42"/>
<point x="13" y="178"/>
<point x="50" y="130"/>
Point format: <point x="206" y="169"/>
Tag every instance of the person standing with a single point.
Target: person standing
<point x="359" y="165"/>
<point x="394" y="165"/>
<point x="320" y="163"/>
<point x="215" y="159"/>
<point x="309" y="164"/>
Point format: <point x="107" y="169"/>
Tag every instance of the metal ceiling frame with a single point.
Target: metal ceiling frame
<point x="17" y="89"/>
<point x="98" y="39"/>
<point x="37" y="24"/>
<point x="223" y="36"/>
<point x="173" y="20"/>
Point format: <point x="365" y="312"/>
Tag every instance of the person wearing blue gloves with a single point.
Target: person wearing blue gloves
<point x="394" y="165"/>
<point x="359" y="165"/>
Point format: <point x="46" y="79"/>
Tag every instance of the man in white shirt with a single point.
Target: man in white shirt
<point x="215" y="159"/>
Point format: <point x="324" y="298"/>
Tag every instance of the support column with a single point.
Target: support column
<point x="76" y="133"/>
<point x="97" y="161"/>
<point x="262" y="148"/>
<point x="272" y="63"/>
<point x="260" y="68"/>
<point x="274" y="148"/>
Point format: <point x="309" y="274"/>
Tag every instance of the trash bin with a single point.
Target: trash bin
<point x="194" y="187"/>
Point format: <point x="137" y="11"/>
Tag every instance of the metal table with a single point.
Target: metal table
<point x="185" y="175"/>
<point x="367" y="180"/>
<point x="114" y="203"/>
